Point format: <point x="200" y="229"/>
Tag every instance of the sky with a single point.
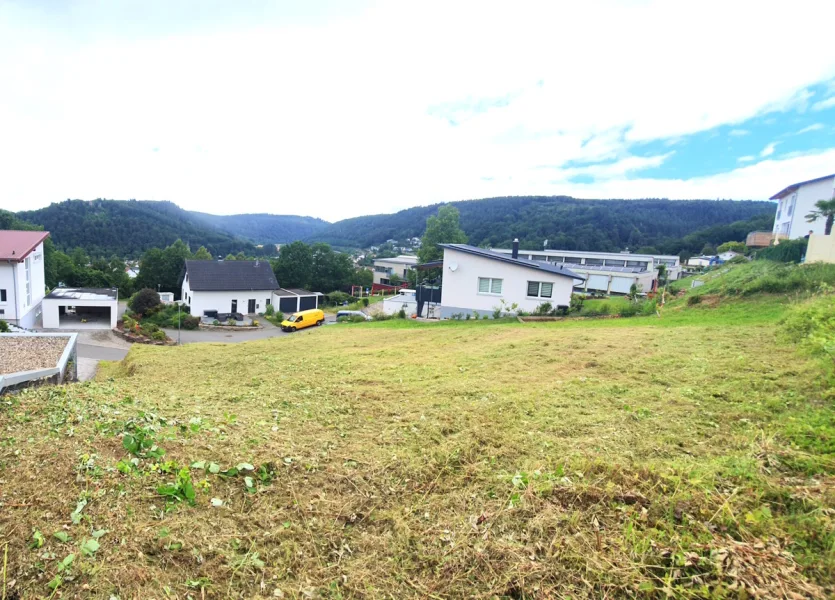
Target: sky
<point x="340" y="108"/>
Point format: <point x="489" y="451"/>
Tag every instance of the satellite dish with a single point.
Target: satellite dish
<point x="453" y="266"/>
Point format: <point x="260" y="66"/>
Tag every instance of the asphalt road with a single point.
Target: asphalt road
<point x="101" y="352"/>
<point x="232" y="337"/>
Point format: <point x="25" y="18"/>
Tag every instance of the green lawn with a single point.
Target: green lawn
<point x="688" y="455"/>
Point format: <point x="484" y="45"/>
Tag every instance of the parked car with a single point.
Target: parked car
<point x="305" y="318"/>
<point x="353" y="313"/>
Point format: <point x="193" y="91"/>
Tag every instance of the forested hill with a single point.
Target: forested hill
<point x="128" y="228"/>
<point x="567" y="223"/>
<point x="264" y="228"/>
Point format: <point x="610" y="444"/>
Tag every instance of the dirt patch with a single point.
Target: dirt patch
<point x="27" y="353"/>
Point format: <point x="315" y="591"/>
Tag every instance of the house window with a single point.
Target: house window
<point x="540" y="289"/>
<point x="27" y="266"/>
<point x="488" y="285"/>
<point x="791" y="205"/>
<point x="2" y="295"/>
<point x="268" y="301"/>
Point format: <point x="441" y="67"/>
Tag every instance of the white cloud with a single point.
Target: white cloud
<point x="738" y="132"/>
<point x="745" y="159"/>
<point x="813" y="127"/>
<point x="288" y="111"/>
<point x="824" y="104"/>
<point x="768" y="150"/>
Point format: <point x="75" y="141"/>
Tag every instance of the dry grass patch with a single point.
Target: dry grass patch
<point x="507" y="460"/>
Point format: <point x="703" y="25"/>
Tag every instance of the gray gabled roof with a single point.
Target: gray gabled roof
<point x="554" y="269"/>
<point x="230" y="275"/>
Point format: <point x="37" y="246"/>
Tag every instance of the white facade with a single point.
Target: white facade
<point x="726" y="256"/>
<point x="23" y="285"/>
<point x="199" y="301"/>
<point x="463" y="293"/>
<point x="797" y="201"/>
<point x="583" y="263"/>
<point x="700" y="261"/>
<point x="384" y="268"/>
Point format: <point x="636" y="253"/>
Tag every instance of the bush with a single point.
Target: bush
<point x="127" y="322"/>
<point x="190" y="322"/>
<point x="401" y="314"/>
<point x="279" y="316"/>
<point x="576" y="304"/>
<point x="351" y="319"/>
<point x="4" y="327"/>
<point x="543" y="309"/>
<point x="215" y="322"/>
<point x="381" y="316"/>
<point x="144" y="301"/>
<point x="158" y="336"/>
<point x="232" y="322"/>
<point x="695" y="299"/>
<point x="339" y="298"/>
<point x="630" y="310"/>
<point x="254" y="323"/>
<point x="785" y="251"/>
<point x="270" y="311"/>
<point x="365" y="302"/>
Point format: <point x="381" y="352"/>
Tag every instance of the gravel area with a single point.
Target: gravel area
<point x="26" y="353"/>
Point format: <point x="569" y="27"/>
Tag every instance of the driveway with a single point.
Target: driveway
<point x="232" y="337"/>
<point x="96" y="345"/>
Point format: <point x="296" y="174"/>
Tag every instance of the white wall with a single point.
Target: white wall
<point x="17" y="309"/>
<point x="460" y="287"/>
<point x="222" y="301"/>
<point x="807" y="196"/>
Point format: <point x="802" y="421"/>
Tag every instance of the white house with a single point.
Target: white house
<point x="478" y="280"/>
<point x="728" y="255"/>
<point x="22" y="282"/>
<point x="702" y="261"/>
<point x="384" y="268"/>
<point x="797" y="201"/>
<point x="238" y="286"/>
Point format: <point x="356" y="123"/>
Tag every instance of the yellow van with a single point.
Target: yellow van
<point x="305" y="318"/>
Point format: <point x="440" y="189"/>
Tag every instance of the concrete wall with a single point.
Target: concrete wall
<point x="460" y="288"/>
<point x="795" y="224"/>
<point x="13" y="279"/>
<point x="821" y="249"/>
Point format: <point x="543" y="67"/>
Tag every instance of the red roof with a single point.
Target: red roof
<point x="17" y="245"/>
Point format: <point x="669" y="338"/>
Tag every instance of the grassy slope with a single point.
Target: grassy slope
<point x="590" y="458"/>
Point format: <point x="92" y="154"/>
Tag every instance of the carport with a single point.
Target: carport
<point x="81" y="308"/>
<point x="293" y="300"/>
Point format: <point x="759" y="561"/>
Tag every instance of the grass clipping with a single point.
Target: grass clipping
<point x="484" y="461"/>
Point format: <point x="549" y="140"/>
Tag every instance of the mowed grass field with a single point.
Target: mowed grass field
<point x="688" y="456"/>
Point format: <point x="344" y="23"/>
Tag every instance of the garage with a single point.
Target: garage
<point x="81" y="308"/>
<point x="294" y="300"/>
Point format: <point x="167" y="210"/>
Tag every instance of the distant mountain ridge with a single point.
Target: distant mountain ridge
<point x="566" y="222"/>
<point x="264" y="228"/>
<point x="128" y="228"/>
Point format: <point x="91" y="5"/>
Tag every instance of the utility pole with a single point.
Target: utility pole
<point x="179" y="303"/>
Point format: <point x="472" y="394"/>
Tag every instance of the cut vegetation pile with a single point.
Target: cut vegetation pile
<point x="684" y="456"/>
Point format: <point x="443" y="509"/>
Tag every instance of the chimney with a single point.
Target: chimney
<point x="515" y="253"/>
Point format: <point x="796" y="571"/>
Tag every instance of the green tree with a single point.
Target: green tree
<point x="79" y="257"/>
<point x="362" y="277"/>
<point x="708" y="250"/>
<point x="230" y="256"/>
<point x="162" y="269"/>
<point x="739" y="247"/>
<point x="331" y="270"/>
<point x="294" y="265"/>
<point x="443" y="228"/>
<point x="202" y="254"/>
<point x="824" y="209"/>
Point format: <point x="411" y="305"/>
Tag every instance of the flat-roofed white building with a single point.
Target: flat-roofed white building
<point x="608" y="272"/>
<point x="385" y="268"/>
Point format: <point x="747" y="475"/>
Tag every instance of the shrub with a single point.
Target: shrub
<point x="159" y="336"/>
<point x="365" y="301"/>
<point x="691" y="300"/>
<point x="190" y="322"/>
<point x="4" y="327"/>
<point x="279" y="316"/>
<point x="254" y="323"/>
<point x="576" y="304"/>
<point x="785" y="251"/>
<point x="127" y="322"/>
<point x="338" y="298"/>
<point x="143" y="301"/>
<point x="231" y="322"/>
<point x="629" y="310"/>
<point x="215" y="322"/>
<point x="270" y="311"/>
<point x="401" y="314"/>
<point x="381" y="316"/>
<point x="543" y="309"/>
<point x="351" y="319"/>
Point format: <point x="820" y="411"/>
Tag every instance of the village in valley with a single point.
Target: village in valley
<point x="405" y="302"/>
